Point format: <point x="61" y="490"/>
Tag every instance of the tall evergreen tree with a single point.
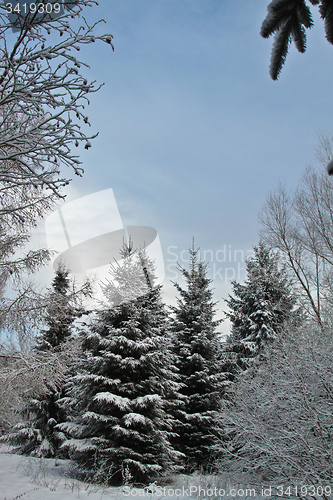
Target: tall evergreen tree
<point x="37" y="434"/>
<point x="197" y="346"/>
<point x="259" y="307"/>
<point x="126" y="382"/>
<point x="258" y="310"/>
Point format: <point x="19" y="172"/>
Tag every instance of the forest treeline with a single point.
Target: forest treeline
<point x="138" y="390"/>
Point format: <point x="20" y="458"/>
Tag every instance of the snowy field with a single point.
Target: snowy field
<point x="47" y="479"/>
<point x="42" y="479"/>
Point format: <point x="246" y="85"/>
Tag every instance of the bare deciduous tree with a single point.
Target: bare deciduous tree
<point x="300" y="226"/>
<point x="43" y="100"/>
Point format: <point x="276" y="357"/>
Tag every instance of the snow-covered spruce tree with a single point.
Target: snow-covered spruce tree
<point x="259" y="307"/>
<point x="126" y="383"/>
<point x="197" y="347"/>
<point x="37" y="434"/>
<point x="64" y="305"/>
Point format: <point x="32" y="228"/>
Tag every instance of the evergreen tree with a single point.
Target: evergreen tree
<point x="197" y="346"/>
<point x="259" y="307"/>
<point x="62" y="309"/>
<point x="126" y="383"/>
<point x="38" y="435"/>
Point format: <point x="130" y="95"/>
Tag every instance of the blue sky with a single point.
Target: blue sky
<point x="193" y="133"/>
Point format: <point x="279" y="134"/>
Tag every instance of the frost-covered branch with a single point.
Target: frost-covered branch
<point x="279" y="412"/>
<point x="25" y="314"/>
<point x="300" y="226"/>
<point x="25" y="376"/>
<point x="44" y="94"/>
<point x="43" y="97"/>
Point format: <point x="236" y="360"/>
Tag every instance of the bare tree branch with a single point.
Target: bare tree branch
<point x="43" y="99"/>
<point x="24" y="376"/>
<point x="279" y="412"/>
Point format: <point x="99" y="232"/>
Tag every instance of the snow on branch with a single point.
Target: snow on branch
<point x="24" y="376"/>
<point x="109" y="398"/>
<point x="43" y="97"/>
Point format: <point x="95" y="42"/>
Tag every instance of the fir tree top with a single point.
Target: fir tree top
<point x="63" y="306"/>
<point x="260" y="306"/>
<point x="196" y="307"/>
<point x="130" y="278"/>
<point x="61" y="282"/>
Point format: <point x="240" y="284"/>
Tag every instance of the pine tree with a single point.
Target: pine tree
<point x="260" y="307"/>
<point x="37" y="434"/>
<point x="120" y="428"/>
<point x="197" y="346"/>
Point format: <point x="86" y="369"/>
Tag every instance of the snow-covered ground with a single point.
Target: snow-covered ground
<point x="46" y="479"/>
